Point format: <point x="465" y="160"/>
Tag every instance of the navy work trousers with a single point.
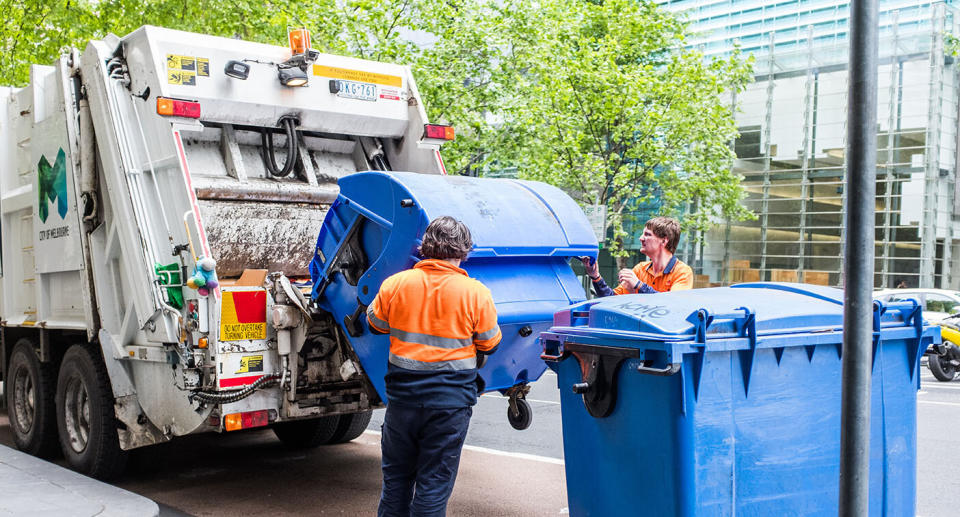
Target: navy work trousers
<point x="420" y="457"/>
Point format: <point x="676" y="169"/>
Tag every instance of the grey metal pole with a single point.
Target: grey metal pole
<point x="858" y="260"/>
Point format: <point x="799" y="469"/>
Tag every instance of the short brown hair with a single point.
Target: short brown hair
<point x="446" y="238"/>
<point x="666" y="228"/>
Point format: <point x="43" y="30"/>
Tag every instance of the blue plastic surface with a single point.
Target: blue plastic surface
<point x="749" y="423"/>
<point x="524" y="233"/>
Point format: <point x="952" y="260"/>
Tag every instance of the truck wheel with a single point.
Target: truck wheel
<point x="85" y="416"/>
<point x="30" y="388"/>
<point x="351" y="426"/>
<point x="307" y="434"/>
<point x="941" y="368"/>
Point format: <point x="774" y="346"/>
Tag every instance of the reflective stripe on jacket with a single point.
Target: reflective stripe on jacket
<point x="438" y="318"/>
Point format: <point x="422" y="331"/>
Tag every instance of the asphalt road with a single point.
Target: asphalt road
<point x="938" y="452"/>
<point x="503" y="472"/>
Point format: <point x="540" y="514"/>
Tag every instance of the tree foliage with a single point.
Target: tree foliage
<point x="617" y="110"/>
<point x="600" y="97"/>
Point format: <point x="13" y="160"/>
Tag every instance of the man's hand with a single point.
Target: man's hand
<point x="628" y="279"/>
<point x="593" y="269"/>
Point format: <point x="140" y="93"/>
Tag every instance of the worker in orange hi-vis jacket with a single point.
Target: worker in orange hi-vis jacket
<point x="442" y="325"/>
<point x="662" y="272"/>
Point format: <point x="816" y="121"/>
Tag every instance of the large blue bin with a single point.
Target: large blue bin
<point x="524" y="234"/>
<point x="726" y="401"/>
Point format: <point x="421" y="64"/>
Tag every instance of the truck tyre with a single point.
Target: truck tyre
<point x="85" y="416"/>
<point x="30" y="387"/>
<point x="307" y="434"/>
<point x="351" y="426"/>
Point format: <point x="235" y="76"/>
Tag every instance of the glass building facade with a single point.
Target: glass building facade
<point x="790" y="152"/>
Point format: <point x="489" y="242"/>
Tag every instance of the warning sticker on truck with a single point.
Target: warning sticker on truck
<point x="250" y="363"/>
<point x="357" y="75"/>
<point x="243" y="315"/>
<point x="181" y="77"/>
<point x="242" y="369"/>
<point x="390" y="94"/>
<point x="184" y="70"/>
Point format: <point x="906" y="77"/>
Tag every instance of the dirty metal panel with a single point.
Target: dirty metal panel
<point x="272" y="236"/>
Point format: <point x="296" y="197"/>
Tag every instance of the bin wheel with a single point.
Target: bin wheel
<point x="30" y="388"/>
<point x="85" y="415"/>
<point x="523" y="416"/>
<point x="941" y="368"/>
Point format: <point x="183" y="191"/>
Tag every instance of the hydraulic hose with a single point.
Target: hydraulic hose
<point x="289" y="126"/>
<point x="226" y="397"/>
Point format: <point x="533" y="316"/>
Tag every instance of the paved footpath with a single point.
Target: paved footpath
<point x="33" y="487"/>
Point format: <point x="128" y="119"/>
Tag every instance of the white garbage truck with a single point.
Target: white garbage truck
<point x="161" y="196"/>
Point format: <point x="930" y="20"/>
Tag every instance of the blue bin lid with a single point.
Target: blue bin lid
<point x="776" y="308"/>
<point x="505" y="216"/>
<point x="660" y="329"/>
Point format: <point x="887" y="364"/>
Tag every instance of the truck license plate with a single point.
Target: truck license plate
<point x="355" y="90"/>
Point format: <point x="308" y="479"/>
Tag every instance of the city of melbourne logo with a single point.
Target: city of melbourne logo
<point x="53" y="185"/>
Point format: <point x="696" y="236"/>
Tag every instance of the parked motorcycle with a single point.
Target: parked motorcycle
<point x="944" y="359"/>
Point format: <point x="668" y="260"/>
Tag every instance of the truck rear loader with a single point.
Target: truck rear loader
<point x="161" y="198"/>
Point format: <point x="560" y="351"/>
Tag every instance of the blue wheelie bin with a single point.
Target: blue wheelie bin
<point x="524" y="234"/>
<point x="726" y="401"/>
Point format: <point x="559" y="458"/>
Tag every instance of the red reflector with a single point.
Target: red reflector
<point x="178" y="108"/>
<point x="439" y="132"/>
<point x="253" y="419"/>
<point x="237" y="421"/>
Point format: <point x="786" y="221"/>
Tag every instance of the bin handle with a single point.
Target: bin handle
<point x="702" y="320"/>
<point x="546" y="355"/>
<point x="550" y="357"/>
<point x="670" y="369"/>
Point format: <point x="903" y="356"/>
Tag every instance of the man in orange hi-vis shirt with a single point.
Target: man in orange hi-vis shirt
<point x="442" y="323"/>
<point x="663" y="272"/>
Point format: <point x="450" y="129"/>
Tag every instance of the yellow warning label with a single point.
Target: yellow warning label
<point x="203" y="67"/>
<point x="243" y="315"/>
<point x="357" y="75"/>
<point x="250" y="363"/>
<point x="241" y="331"/>
<point x="177" y="62"/>
<point x="181" y="77"/>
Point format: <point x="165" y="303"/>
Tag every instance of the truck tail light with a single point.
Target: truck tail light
<point x="177" y="108"/>
<point x="299" y="40"/>
<point x="246" y="420"/>
<point x="438" y="131"/>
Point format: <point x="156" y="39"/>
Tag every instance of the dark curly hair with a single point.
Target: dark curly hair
<point x="446" y="238"/>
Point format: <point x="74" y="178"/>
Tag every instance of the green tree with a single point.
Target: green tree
<point x="600" y="97"/>
<point x="613" y="107"/>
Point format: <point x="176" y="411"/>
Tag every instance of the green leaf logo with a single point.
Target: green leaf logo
<point x="53" y="185"/>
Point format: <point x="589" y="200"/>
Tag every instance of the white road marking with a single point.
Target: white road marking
<point x="499" y="396"/>
<point x="938" y="403"/>
<point x="942" y="386"/>
<point x="496" y="452"/>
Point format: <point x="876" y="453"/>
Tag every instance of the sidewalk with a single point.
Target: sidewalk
<point x="31" y="486"/>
